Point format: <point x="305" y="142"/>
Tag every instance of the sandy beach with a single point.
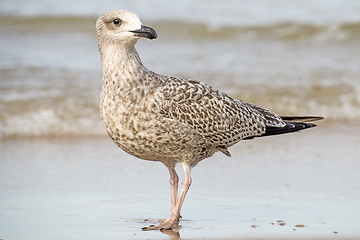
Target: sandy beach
<point x="298" y="186"/>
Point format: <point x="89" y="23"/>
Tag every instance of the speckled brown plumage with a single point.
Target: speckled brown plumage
<point x="167" y="119"/>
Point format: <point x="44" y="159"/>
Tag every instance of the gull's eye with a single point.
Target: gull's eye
<point x="116" y="21"/>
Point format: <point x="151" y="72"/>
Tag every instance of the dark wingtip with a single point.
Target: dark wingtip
<point x="288" y="128"/>
<point x="292" y="124"/>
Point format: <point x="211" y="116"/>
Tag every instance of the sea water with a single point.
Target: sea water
<point x="293" y="57"/>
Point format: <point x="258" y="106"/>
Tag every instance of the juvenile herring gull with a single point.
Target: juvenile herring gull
<point x="171" y="119"/>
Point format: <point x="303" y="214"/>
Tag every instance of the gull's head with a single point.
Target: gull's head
<point x="122" y="27"/>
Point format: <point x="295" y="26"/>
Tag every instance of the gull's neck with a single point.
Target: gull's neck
<point x="121" y="64"/>
<point x="125" y="79"/>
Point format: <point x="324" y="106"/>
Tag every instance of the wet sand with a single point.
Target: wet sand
<point x="298" y="186"/>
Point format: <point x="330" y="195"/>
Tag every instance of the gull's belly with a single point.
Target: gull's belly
<point x="149" y="136"/>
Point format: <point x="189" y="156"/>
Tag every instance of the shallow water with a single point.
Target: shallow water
<point x="88" y="188"/>
<point x="300" y="59"/>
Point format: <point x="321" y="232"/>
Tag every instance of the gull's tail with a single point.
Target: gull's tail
<point x="293" y="124"/>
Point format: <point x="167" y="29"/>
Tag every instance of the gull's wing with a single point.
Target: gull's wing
<point x="216" y="116"/>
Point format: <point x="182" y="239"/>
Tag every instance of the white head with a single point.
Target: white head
<point x="121" y="27"/>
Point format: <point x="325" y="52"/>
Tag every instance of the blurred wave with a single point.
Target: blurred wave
<point x="64" y="109"/>
<point x="286" y="31"/>
<point x="70" y="117"/>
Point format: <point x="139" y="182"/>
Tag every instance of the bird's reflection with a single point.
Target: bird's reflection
<point x="172" y="233"/>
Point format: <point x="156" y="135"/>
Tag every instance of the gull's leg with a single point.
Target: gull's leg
<point x="172" y="221"/>
<point x="174" y="181"/>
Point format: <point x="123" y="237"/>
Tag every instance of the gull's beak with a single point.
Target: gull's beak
<point x="146" y="32"/>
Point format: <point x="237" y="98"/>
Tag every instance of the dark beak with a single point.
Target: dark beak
<point x="146" y="32"/>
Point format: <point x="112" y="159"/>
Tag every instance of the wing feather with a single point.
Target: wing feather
<point x="218" y="117"/>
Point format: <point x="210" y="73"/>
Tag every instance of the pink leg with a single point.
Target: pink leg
<point x="172" y="221"/>
<point x="174" y="181"/>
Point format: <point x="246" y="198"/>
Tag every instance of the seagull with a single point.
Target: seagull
<point x="171" y="119"/>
